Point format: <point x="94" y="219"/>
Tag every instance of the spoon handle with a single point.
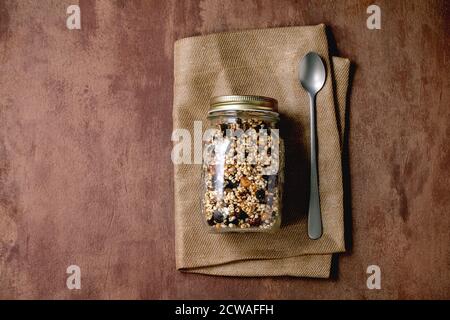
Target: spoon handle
<point x="314" y="215"/>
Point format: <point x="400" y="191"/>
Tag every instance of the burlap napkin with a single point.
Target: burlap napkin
<point x="262" y="62"/>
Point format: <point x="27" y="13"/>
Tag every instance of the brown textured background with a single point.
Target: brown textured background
<point x="85" y="124"/>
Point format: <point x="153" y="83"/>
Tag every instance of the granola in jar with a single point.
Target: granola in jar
<point x="241" y="166"/>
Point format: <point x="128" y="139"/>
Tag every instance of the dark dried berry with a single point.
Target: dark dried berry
<point x="242" y="215"/>
<point x="211" y="222"/>
<point x="254" y="222"/>
<point x="231" y="185"/>
<point x="235" y="221"/>
<point x="218" y="216"/>
<point x="261" y="195"/>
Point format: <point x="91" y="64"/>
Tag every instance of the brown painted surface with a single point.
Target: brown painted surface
<point x="85" y="170"/>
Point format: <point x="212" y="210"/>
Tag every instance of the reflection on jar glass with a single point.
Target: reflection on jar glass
<point x="242" y="165"/>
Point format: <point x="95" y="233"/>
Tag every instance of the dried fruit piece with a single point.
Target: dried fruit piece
<point x="245" y="182"/>
<point x="261" y="195"/>
<point x="231" y="185"/>
<point x="218" y="216"/>
<point x="242" y="215"/>
<point x="211" y="221"/>
<point x="254" y="221"/>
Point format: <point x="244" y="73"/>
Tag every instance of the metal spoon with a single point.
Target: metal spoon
<point x="312" y="78"/>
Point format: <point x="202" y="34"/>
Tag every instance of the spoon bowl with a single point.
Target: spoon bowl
<point x="312" y="73"/>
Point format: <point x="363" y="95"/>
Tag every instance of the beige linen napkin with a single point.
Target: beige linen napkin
<point x="262" y="62"/>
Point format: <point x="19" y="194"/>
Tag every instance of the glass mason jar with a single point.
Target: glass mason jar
<point x="242" y="165"/>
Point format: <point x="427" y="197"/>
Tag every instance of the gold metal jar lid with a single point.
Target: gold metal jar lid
<point x="243" y="103"/>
